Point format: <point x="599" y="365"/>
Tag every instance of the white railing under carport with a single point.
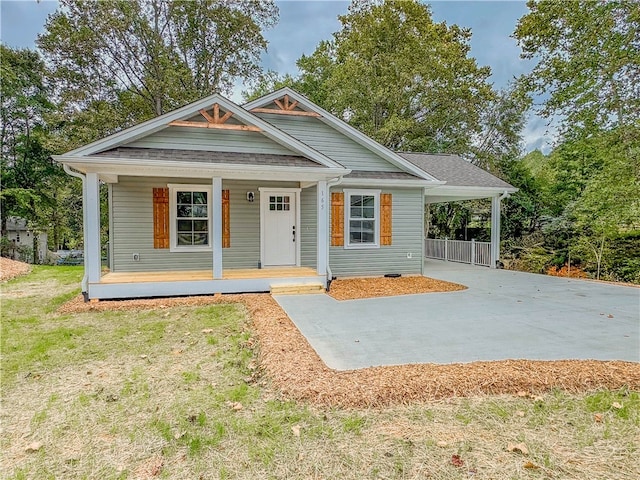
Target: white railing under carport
<point x="474" y="253"/>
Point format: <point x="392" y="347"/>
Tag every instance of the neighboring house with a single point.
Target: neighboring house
<point x="217" y="197"/>
<point x="19" y="235"/>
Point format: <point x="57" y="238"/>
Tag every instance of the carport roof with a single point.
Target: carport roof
<point x="455" y="170"/>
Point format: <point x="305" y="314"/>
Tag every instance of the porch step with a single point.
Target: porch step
<point x="297" y="289"/>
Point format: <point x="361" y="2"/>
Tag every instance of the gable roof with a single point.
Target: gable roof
<point x="455" y="170"/>
<point x="307" y="105"/>
<point x="161" y="122"/>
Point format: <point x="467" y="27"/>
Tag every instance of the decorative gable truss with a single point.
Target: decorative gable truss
<point x="215" y="121"/>
<point x="284" y="106"/>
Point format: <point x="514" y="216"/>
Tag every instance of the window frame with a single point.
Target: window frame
<point x="347" y="218"/>
<point x="173" y="218"/>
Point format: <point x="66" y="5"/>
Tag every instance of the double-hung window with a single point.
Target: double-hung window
<point x="190" y="212"/>
<point x="362" y="218"/>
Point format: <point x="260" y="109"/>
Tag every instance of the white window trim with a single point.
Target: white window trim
<point x="174" y="188"/>
<point x="347" y="217"/>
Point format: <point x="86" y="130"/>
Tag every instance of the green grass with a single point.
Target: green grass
<point x="111" y="395"/>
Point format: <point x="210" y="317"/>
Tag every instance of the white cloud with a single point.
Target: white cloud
<point x="540" y="134"/>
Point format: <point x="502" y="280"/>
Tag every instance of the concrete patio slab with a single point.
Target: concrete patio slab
<point x="502" y="315"/>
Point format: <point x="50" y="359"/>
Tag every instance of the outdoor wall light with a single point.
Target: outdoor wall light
<point x="251" y="197"/>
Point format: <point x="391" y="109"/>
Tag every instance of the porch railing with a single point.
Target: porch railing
<point x="474" y="253"/>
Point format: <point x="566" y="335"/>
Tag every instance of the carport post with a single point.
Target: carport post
<point x="473" y="251"/>
<point x="495" y="230"/>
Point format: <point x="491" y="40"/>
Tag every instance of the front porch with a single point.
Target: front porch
<point x="200" y="282"/>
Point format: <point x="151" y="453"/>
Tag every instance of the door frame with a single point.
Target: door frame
<point x="264" y="200"/>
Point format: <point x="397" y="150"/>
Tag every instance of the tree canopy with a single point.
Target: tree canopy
<point x="396" y="75"/>
<point x="151" y="56"/>
<point x="588" y="54"/>
<point x="588" y="69"/>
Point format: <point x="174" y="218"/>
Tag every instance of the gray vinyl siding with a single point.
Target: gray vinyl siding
<point x="308" y="227"/>
<point x="186" y="138"/>
<point x="132" y="227"/>
<point x="132" y="211"/>
<point x="406" y="238"/>
<point x="330" y="142"/>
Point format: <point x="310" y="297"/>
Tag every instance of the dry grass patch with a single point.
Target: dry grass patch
<point x="296" y="369"/>
<point x="369" y="287"/>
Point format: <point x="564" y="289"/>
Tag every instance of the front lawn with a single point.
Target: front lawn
<point x="176" y="392"/>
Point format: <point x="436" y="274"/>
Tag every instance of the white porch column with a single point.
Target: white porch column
<point x="93" y="252"/>
<point x="323" y="233"/>
<point x="495" y="230"/>
<point x="216" y="226"/>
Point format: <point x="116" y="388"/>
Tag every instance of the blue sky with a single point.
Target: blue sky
<point x="304" y="23"/>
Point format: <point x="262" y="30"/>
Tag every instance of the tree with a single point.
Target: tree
<point x="499" y="140"/>
<point x="588" y="54"/>
<point x="146" y="57"/>
<point x="400" y="78"/>
<point x="588" y="70"/>
<point x="31" y="181"/>
<point x="609" y="205"/>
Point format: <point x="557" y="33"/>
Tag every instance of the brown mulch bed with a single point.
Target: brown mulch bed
<point x="294" y="367"/>
<point x="369" y="287"/>
<point x="11" y="269"/>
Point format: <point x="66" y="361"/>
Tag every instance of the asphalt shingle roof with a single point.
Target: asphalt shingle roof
<point x="381" y="175"/>
<point x="454" y="170"/>
<point x="208" y="157"/>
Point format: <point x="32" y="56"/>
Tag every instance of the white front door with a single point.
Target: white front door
<point x="279" y="223"/>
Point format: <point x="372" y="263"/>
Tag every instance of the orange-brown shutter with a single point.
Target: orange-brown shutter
<point x="385" y="219"/>
<point x="226" y="226"/>
<point x="160" y="218"/>
<point x="337" y="219"/>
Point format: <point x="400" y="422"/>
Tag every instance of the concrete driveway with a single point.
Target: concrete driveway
<point x="502" y="315"/>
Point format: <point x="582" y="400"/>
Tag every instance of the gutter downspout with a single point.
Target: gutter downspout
<point x="330" y="183"/>
<point x="85" y="278"/>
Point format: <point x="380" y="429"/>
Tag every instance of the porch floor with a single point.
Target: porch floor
<point x="195" y="275"/>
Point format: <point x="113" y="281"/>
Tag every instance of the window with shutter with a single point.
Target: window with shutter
<point x="362" y="218"/>
<point x="191" y="217"/>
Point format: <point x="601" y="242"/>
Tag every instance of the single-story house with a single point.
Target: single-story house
<point x="219" y="197"/>
<point x="19" y="234"/>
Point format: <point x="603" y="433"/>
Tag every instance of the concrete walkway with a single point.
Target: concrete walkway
<point x="503" y="315"/>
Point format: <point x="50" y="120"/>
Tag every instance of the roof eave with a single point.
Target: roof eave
<point x="154" y="167"/>
<point x="452" y="193"/>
